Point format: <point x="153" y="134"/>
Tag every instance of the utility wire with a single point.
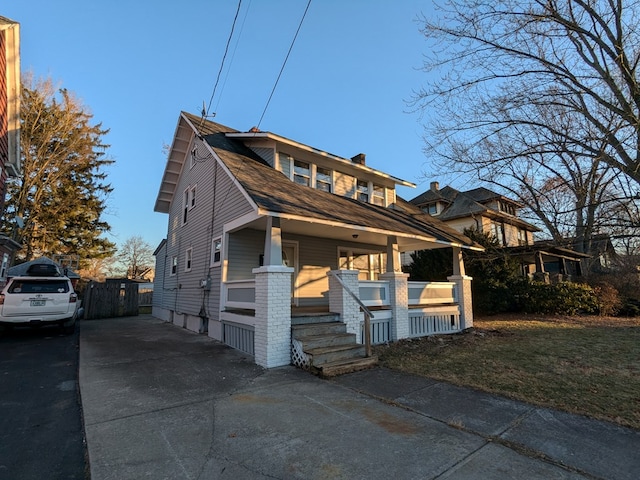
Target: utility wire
<point x="284" y="63"/>
<point x="205" y="113"/>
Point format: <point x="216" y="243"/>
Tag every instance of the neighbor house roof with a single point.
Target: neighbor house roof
<point x="274" y="194"/>
<point x="469" y="203"/>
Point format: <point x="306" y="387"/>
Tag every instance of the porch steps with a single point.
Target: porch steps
<point x="330" y="349"/>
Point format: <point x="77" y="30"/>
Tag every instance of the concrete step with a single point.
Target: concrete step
<point x="305" y="318"/>
<point x="342" y="367"/>
<point x="322" y="355"/>
<point x="331" y="340"/>
<point x="324" y="328"/>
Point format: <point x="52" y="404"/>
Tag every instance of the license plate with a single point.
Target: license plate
<point x="38" y="303"/>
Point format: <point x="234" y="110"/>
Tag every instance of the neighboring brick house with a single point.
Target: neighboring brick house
<point x="9" y="124"/>
<point x="489" y="212"/>
<point x="266" y="234"/>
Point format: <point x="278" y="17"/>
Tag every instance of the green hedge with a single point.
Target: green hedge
<point x="562" y="298"/>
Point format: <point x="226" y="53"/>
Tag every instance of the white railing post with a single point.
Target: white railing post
<point x="399" y="303"/>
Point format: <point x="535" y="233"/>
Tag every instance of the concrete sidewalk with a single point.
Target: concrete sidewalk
<point x="163" y="403"/>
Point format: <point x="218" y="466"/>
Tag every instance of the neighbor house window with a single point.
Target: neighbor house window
<point x="188" y="257"/>
<point x="174" y="265"/>
<point x="362" y="191"/>
<point x="301" y="173"/>
<point x="378" y="195"/>
<point x="498" y="232"/>
<point x="433" y="209"/>
<point x="522" y="237"/>
<point x="216" y="251"/>
<point x="323" y="179"/>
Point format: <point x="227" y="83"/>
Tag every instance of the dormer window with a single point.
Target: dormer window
<point x="323" y="179"/>
<point x="432" y="209"/>
<point x="301" y="173"/>
<point x="362" y="191"/>
<point x="378" y="195"/>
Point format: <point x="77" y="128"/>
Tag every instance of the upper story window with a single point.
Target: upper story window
<point x="431" y="209"/>
<point x="522" y="237"/>
<point x="498" y="232"/>
<point x="507" y="207"/>
<point x="378" y="195"/>
<point x="301" y="173"/>
<point x="323" y="179"/>
<point x="362" y="191"/>
<point x="188" y="202"/>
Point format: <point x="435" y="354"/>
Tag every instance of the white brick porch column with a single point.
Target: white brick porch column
<point x="399" y="303"/>
<point x="272" y="336"/>
<point x="344" y="304"/>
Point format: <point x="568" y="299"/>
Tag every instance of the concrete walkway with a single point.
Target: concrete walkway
<point x="163" y="403"/>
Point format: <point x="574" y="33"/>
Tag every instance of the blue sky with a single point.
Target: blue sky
<point x="137" y="64"/>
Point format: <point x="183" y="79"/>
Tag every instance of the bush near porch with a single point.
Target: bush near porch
<point x="586" y="365"/>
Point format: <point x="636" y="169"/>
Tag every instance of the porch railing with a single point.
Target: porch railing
<point x="432" y="293"/>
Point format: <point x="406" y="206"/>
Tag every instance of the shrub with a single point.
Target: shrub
<point x="563" y="298"/>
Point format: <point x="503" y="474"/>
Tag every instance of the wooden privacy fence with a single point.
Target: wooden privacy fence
<point x="105" y="300"/>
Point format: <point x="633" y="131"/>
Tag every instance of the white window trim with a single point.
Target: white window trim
<point x="174" y="262"/>
<point x="188" y="259"/>
<point x="188" y="202"/>
<point x="215" y="263"/>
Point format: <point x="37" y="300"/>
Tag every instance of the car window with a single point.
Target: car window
<point x="39" y="286"/>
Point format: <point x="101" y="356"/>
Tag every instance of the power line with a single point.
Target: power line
<point x="205" y="113"/>
<point x="284" y="63"/>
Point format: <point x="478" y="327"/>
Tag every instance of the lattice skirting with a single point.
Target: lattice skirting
<point x="298" y="357"/>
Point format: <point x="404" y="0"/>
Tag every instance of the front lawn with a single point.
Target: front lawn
<point x="585" y="365"/>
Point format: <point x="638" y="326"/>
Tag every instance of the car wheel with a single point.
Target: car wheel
<point x="69" y="327"/>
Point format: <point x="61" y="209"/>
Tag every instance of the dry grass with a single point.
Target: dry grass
<point x="585" y="365"/>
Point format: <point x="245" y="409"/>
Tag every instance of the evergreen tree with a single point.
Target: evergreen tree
<point x="62" y="192"/>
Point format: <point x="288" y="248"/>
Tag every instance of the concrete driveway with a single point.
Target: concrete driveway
<point x="163" y="403"/>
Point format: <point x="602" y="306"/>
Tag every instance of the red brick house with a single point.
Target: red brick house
<point x="9" y="123"/>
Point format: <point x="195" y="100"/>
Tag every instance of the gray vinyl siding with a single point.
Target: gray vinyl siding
<point x="344" y="184"/>
<point x="183" y="292"/>
<point x="266" y="154"/>
<point x="245" y="248"/>
<point x="159" y="280"/>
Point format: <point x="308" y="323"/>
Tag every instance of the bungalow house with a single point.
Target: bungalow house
<point x="490" y="212"/>
<point x="9" y="125"/>
<point x="283" y="251"/>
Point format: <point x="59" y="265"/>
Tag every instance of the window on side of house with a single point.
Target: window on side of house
<point x="497" y="232"/>
<point x="188" y="202"/>
<point x="301" y="173"/>
<point x="323" y="179"/>
<point x="216" y="251"/>
<point x="362" y="191"/>
<point x="174" y="265"/>
<point x="378" y="195"/>
<point x="188" y="257"/>
<point x="433" y="209"/>
<point x="522" y="237"/>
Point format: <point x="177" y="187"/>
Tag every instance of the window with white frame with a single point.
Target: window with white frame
<point x="378" y="195"/>
<point x="369" y="264"/>
<point x="362" y="191"/>
<point x="188" y="257"/>
<point x="216" y="251"/>
<point x="188" y="202"/>
<point x="174" y="265"/>
<point x="323" y="179"/>
<point x="302" y="173"/>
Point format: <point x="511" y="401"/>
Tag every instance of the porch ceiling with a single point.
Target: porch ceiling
<point x="347" y="234"/>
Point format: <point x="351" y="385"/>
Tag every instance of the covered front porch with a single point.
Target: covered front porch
<point x="303" y="270"/>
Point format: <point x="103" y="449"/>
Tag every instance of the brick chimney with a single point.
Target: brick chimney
<point x="359" y="159"/>
<point x="434" y="186"/>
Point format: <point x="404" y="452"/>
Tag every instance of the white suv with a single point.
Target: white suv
<point x="41" y="297"/>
